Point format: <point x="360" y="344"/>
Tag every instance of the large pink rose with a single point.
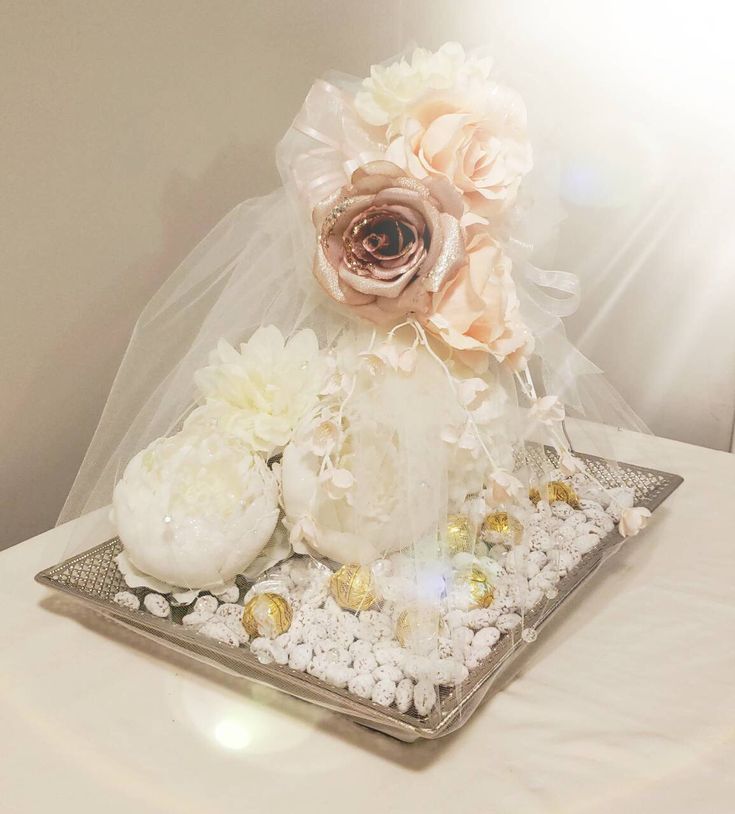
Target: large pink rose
<point x="482" y="149"/>
<point x="478" y="312"/>
<point x="387" y="242"/>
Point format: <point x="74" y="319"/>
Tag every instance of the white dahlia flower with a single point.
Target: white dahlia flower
<point x="260" y="393"/>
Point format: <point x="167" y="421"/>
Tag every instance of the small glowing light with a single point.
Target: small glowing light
<point x="232" y="734"/>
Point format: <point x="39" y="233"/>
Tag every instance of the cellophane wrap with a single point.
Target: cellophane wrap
<point x="366" y="458"/>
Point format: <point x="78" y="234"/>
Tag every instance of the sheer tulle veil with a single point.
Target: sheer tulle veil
<point x="255" y="269"/>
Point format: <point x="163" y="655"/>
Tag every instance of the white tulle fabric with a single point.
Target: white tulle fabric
<point x="254" y="269"/>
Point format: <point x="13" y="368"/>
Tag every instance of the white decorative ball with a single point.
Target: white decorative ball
<point x="195" y="509"/>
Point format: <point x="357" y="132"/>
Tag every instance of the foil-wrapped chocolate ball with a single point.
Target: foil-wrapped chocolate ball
<point x="266" y="615"/>
<point x="353" y="587"/>
<point x="460" y="535"/>
<point x="559" y="490"/>
<point x="419" y="628"/>
<point x="555" y="490"/>
<point x="501" y="526"/>
<point x="479" y="587"/>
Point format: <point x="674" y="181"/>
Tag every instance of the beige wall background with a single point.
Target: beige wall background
<point x="129" y="128"/>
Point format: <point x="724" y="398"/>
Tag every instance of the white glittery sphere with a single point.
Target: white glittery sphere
<point x="195" y="509"/>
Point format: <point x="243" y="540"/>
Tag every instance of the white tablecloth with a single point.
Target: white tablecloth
<point x="627" y="703"/>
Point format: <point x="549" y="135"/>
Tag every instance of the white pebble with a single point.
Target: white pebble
<point x="220" y="632"/>
<point x="127" y="600"/>
<point x="566" y="560"/>
<point x="388" y="653"/>
<point x="389" y="671"/>
<point x="417" y="667"/>
<point x="532" y="598"/>
<point x="384" y="692"/>
<point x="341" y="636"/>
<point x="481" y="617"/>
<point x="455" y="618"/>
<point x="368" y="632"/>
<point x="195" y="619"/>
<point x="561" y="509"/>
<point x="564" y="535"/>
<point x="314" y="634"/>
<point x="229" y="609"/>
<point x="444" y="647"/>
<point x="280" y="653"/>
<point x="476" y="657"/>
<point x="318" y="666"/>
<point x="507" y="621"/>
<point x="449" y="672"/>
<point x="337" y="655"/>
<point x="586" y="543"/>
<point x="361" y="685"/>
<point x="424" y="697"/>
<point x="361" y="647"/>
<point x="261" y="649"/>
<point x="486" y="637"/>
<point x="461" y="640"/>
<point x="299" y="657"/>
<point x="541" y="539"/>
<point x="229" y="595"/>
<point x="338" y="674"/>
<point x="541" y="582"/>
<point x="404" y="695"/>
<point x="538" y="558"/>
<point x="575" y="519"/>
<point x="364" y="662"/>
<point x="157" y="605"/>
<point x="497" y="552"/>
<point x="234" y="623"/>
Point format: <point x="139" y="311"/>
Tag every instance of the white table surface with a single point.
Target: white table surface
<point x="627" y="703"/>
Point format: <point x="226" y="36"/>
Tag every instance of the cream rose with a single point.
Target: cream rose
<point x="478" y="312"/>
<point x="391" y="88"/>
<point x="386" y="242"/>
<point x="480" y="145"/>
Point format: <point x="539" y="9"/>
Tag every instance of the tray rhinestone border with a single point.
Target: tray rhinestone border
<point x="93" y="578"/>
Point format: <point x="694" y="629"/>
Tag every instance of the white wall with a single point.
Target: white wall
<point x="129" y="128"/>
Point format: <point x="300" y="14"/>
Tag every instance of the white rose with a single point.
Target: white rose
<point x="391" y="89"/>
<point x="195" y="509"/>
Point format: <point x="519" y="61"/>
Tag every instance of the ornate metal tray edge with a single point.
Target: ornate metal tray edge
<point x="454" y="703"/>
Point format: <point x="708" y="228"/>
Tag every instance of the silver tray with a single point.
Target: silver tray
<point x="93" y="578"/>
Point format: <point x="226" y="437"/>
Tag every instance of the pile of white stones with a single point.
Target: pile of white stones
<point x="361" y="652"/>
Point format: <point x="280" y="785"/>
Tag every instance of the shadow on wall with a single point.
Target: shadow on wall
<point x="83" y="359"/>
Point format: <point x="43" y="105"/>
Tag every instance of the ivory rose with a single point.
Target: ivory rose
<point x="387" y="242"/>
<point x="478" y="312"/>
<point x="479" y="145"/>
<point x="390" y="89"/>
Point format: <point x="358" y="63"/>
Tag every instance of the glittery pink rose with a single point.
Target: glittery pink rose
<point x="387" y="242"/>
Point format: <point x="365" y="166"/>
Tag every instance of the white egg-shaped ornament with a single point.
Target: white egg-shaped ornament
<point x="195" y="509"/>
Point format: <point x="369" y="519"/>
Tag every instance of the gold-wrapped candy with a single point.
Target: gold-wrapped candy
<point x="418" y="628"/>
<point x="480" y="590"/>
<point x="505" y="524"/>
<point x="266" y="615"/>
<point x="460" y="534"/>
<point x="555" y="490"/>
<point x="353" y="587"/>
